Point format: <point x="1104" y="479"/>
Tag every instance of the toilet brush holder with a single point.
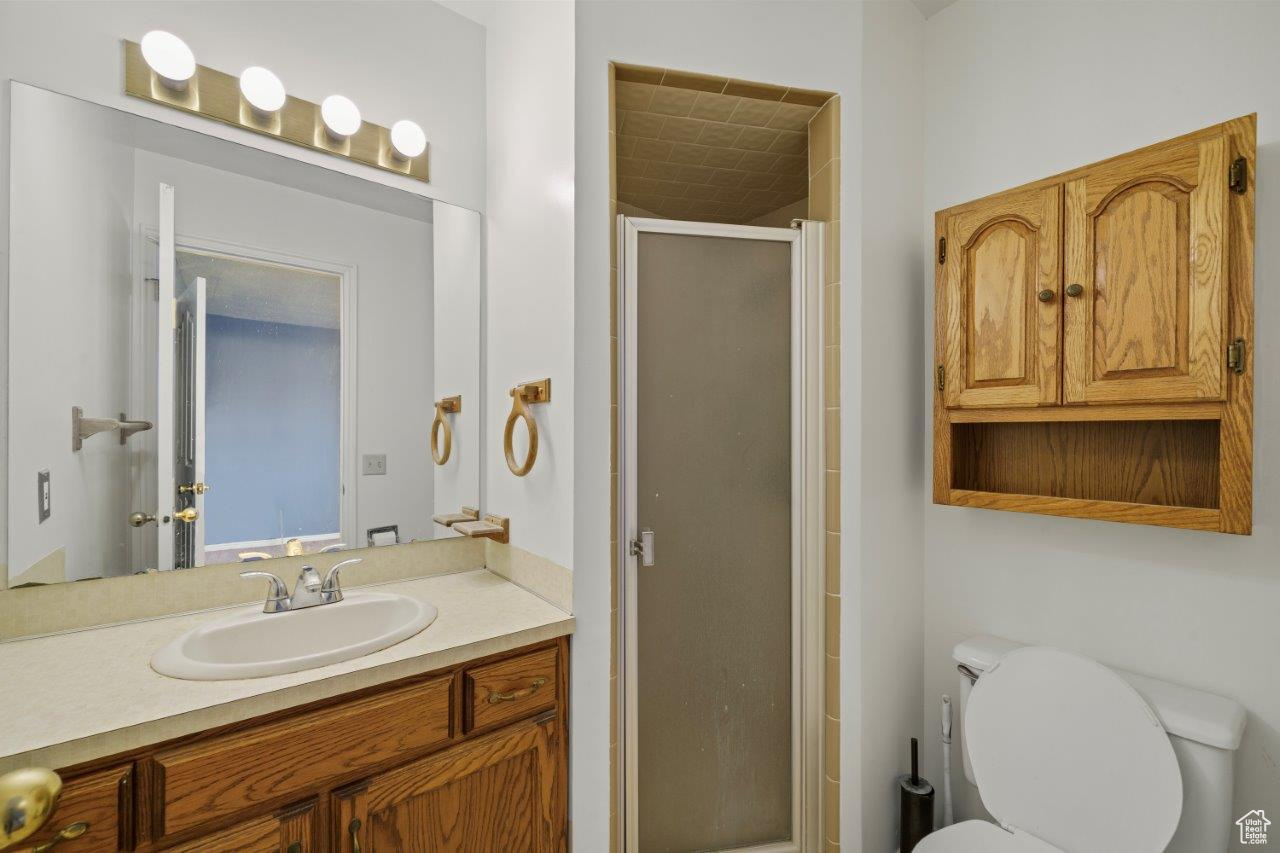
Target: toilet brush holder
<point x="915" y="803"/>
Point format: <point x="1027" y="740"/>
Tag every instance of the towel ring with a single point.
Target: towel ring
<point x="521" y="396"/>
<point x="447" y="405"/>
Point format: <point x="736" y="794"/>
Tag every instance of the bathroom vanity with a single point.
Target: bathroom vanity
<point x="456" y="736"/>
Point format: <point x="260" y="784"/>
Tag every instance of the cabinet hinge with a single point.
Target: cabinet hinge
<point x="942" y="250"/>
<point x="1235" y="356"/>
<point x="942" y="377"/>
<point x="1238" y="176"/>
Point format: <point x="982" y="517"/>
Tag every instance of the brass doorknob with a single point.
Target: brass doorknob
<point x="1074" y="290"/>
<point x="194" y="488"/>
<point x="137" y="519"/>
<point x="27" y="799"/>
<point x="1045" y="295"/>
<point x="188" y="515"/>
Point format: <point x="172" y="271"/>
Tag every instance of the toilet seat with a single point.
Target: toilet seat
<point x="1066" y="756"/>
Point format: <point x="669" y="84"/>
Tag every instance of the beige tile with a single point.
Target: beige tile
<point x="831" y="638"/>
<point x="613" y="247"/>
<point x="720" y="135"/>
<point x="832" y="251"/>
<point x="790" y="164"/>
<point x="757" y="161"/>
<point x="681" y="129"/>
<point x="662" y="171"/>
<point x="822" y="201"/>
<point x="634" y="96"/>
<point x="831" y="806"/>
<point x="760" y="91"/>
<point x="758" y="181"/>
<point x="831" y="439"/>
<point x="807" y="97"/>
<point x="756" y="139"/>
<point x="722" y="158"/>
<point x="753" y="112"/>
<point x="696" y="174"/>
<point x="714" y="107"/>
<point x="831" y="512"/>
<point x="706" y="192"/>
<point x="831" y="687"/>
<point x="767" y="199"/>
<point x="726" y="178"/>
<point x="672" y="102"/>
<point x="829" y="846"/>
<point x="650" y="149"/>
<point x="733" y="195"/>
<point x="630" y="166"/>
<point x="831" y="563"/>
<point x="822" y="128"/>
<point x="673" y="189"/>
<point x="831" y="747"/>
<point x="704" y="207"/>
<point x="688" y="153"/>
<point x="791" y="142"/>
<point x="644" y="125"/>
<point x="637" y="73"/>
<point x="626" y="146"/>
<point x="793" y="117"/>
<point x="692" y="80"/>
<point x="831" y="315"/>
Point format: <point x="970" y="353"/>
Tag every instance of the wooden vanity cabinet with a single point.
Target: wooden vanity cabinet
<point x="412" y="762"/>
<point x="1091" y="339"/>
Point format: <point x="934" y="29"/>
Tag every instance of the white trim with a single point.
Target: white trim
<point x="807" y="526"/>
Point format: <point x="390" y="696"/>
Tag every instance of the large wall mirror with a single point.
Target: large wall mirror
<point x="218" y="354"/>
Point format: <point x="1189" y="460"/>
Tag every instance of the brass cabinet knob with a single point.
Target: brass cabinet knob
<point x="137" y="519"/>
<point x="27" y="798"/>
<point x="194" y="488"/>
<point x="188" y="515"/>
<point x="1045" y="295"/>
<point x="1074" y="290"/>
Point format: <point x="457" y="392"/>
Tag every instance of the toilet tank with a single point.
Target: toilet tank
<point x="1204" y="729"/>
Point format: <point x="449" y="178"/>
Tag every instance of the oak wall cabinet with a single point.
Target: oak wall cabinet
<point x="1092" y="339"/>
<point x="469" y="758"/>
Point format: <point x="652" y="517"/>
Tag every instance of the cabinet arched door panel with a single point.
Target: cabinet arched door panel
<point x="1002" y="308"/>
<point x="1146" y="276"/>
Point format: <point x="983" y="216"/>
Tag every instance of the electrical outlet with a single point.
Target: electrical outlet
<point x="44" y="504"/>
<point x="375" y="464"/>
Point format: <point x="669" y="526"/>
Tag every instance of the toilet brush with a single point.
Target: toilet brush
<point x="916" y="797"/>
<point x="947" y="815"/>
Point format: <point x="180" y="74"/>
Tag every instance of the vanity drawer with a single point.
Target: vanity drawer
<point x="510" y="689"/>
<point x="243" y="768"/>
<point x="104" y="801"/>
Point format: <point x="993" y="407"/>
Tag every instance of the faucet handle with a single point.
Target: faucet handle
<point x="332" y="584"/>
<point x="277" y="595"/>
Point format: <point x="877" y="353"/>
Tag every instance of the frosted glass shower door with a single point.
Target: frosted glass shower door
<point x="712" y="653"/>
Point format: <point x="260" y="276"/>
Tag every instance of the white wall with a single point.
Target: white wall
<point x="73" y="184"/>
<point x="885" y="612"/>
<point x="1020" y="91"/>
<point x="809" y="45"/>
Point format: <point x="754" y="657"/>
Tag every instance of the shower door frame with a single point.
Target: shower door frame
<point x="807" y="606"/>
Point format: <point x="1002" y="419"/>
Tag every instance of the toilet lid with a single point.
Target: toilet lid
<point x="1064" y="749"/>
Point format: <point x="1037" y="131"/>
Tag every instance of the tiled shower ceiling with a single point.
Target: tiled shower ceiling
<point x="693" y="146"/>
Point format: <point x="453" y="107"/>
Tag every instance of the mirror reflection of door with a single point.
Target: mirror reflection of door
<point x="257" y="407"/>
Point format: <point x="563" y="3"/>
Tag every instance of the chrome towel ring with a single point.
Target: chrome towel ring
<point x="521" y="396"/>
<point x="445" y="406"/>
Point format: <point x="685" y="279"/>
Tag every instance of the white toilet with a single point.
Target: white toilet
<point x="1069" y="755"/>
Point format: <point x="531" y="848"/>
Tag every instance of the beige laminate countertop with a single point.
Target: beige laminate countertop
<point x="70" y="698"/>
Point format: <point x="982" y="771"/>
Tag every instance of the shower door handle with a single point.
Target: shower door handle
<point x="643" y="547"/>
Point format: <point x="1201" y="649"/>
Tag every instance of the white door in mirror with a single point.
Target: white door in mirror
<point x="254" y="644"/>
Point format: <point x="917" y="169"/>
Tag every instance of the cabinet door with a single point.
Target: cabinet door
<point x="1001" y="312"/>
<point x="1146" y="275"/>
<point x="290" y="831"/>
<point x="497" y="792"/>
<point x="94" y="813"/>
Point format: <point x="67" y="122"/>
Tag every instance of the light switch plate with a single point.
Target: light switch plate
<point x="44" y="504"/>
<point x="375" y="464"/>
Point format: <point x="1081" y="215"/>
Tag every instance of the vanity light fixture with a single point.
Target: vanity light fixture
<point x="407" y="139"/>
<point x="341" y="116"/>
<point x="169" y="57"/>
<point x="262" y="89"/>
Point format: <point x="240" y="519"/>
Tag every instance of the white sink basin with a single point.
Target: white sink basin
<point x="254" y="644"/>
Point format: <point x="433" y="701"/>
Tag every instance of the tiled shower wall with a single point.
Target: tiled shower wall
<point x="824" y="205"/>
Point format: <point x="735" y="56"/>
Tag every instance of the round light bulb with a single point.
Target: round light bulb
<point x="168" y="56"/>
<point x="408" y="139"/>
<point x="340" y="115"/>
<point x="262" y="89"/>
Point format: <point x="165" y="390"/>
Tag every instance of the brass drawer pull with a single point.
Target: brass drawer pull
<point x="446" y="406"/>
<point x="495" y="698"/>
<point x="353" y="829"/>
<point x="68" y="832"/>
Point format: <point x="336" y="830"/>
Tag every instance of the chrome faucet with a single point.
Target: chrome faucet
<point x="308" y="590"/>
